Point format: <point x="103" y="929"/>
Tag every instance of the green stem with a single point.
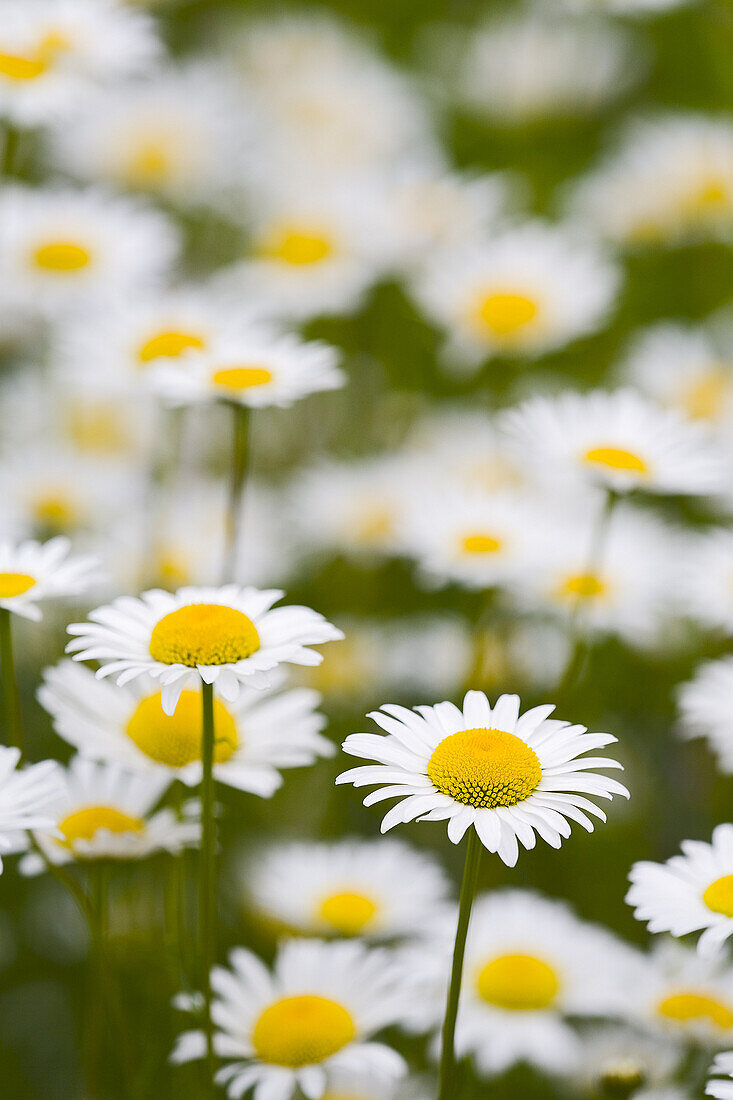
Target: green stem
<point x="207" y="872"/>
<point x="474" y="850"/>
<point x="11" y="698"/>
<point x="10" y="149"/>
<point x="237" y="479"/>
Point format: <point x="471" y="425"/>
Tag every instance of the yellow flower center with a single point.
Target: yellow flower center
<point x="376" y="523"/>
<point x="98" y="429"/>
<point x="298" y="245"/>
<point x="150" y="163"/>
<point x="481" y="544"/>
<point x="518" y="983"/>
<point x="347" y="913"/>
<point x="298" y="1031"/>
<point x="621" y="1078"/>
<point x="172" y="568"/>
<point x="169" y="344"/>
<point x="506" y="314"/>
<point x="584" y="586"/>
<point x="55" y="510"/>
<point x="241" y="378"/>
<point x="719" y="896"/>
<point x="690" y="1007"/>
<point x="203" y="634"/>
<point x="614" y="458"/>
<point x="705" y="399"/>
<point x="85" y="824"/>
<point x="711" y="197"/>
<point x="61" y="256"/>
<point x="15" y="584"/>
<point x="485" y="767"/>
<point x="176" y="740"/>
<point x="17" y="67"/>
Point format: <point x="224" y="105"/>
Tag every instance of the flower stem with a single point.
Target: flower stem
<point x="474" y="850"/>
<point x="11" y="698"/>
<point x="207" y="871"/>
<point x="237" y="479"/>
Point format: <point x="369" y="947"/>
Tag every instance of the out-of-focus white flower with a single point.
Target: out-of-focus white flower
<point x="619" y="440"/>
<point x="720" y="1084"/>
<point x="616" y="1060"/>
<point x="28" y="797"/>
<point x="308" y="1020"/>
<point x="684" y="995"/>
<point x="32" y="571"/>
<point x="669" y="180"/>
<point x="538" y="65"/>
<point x="706" y="709"/>
<point x="524" y="292"/>
<point x="706" y="588"/>
<point x="460" y="448"/>
<point x="61" y="248"/>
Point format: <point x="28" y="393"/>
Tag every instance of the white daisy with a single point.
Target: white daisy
<point x="706" y="578"/>
<point x="28" y="797"/>
<point x="306" y="1023"/>
<point x="106" y="812"/>
<point x="689" y="893"/>
<point x="32" y="571"/>
<point x="618" y="1061"/>
<point x="60" y="248"/>
<point x="255" y="736"/>
<point x="706" y="709"/>
<point x="685" y="995"/>
<point x="721" y="1081"/>
<point x="524" y="292"/>
<point x="618" y="440"/>
<point x="508" y="776"/>
<point x="379" y="889"/>
<point x="224" y="636"/>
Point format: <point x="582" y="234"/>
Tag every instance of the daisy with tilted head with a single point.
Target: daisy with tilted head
<point x="706" y="709"/>
<point x="685" y="996"/>
<point x="380" y="889"/>
<point x="32" y="571"/>
<point x="616" y="440"/>
<point x="524" y="292"/>
<point x="720" y="1084"/>
<point x="28" y="798"/>
<point x="306" y="1023"/>
<point x="706" y="581"/>
<point x="107" y="812"/>
<point x="622" y="1062"/>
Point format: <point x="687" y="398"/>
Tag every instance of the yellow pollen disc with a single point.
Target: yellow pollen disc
<point x="169" y="344"/>
<point x="614" y="458"/>
<point x="241" y="378"/>
<point x="518" y="983"/>
<point x="203" y="634"/>
<point x="347" y="913"/>
<point x="622" y="1078"/>
<point x="705" y="399"/>
<point x="583" y="586"/>
<point x="298" y="1031"/>
<point x="55" y="510"/>
<point x="506" y="314"/>
<point x="713" y="196"/>
<point x="15" y="584"/>
<point x="172" y="569"/>
<point x="85" y="824"/>
<point x="61" y="256"/>
<point x="15" y="67"/>
<point x="719" y="896"/>
<point x="691" y="1006"/>
<point x="481" y="544"/>
<point x="297" y="245"/>
<point x="99" y="430"/>
<point x="150" y="164"/>
<point x="176" y="740"/>
<point x="485" y="767"/>
<point x="375" y="524"/>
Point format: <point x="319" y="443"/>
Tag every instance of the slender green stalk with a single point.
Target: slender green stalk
<point x="207" y="872"/>
<point x="474" y="849"/>
<point x="10" y="149"/>
<point x="11" y="698"/>
<point x="237" y="480"/>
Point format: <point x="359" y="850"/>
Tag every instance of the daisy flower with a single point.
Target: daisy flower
<point x="380" y="889"/>
<point x="28" y="797"/>
<point x="460" y="448"/>
<point x="523" y="292"/>
<point x="60" y="248"/>
<point x="226" y="636"/>
<point x="685" y="995"/>
<point x="305" y="1024"/>
<point x="508" y="776"/>
<point x="706" y="578"/>
<point x="616" y="440"/>
<point x="256" y="368"/>
<point x="32" y="571"/>
<point x="255" y="736"/>
<point x="618" y="1061"/>
<point x="690" y="892"/>
<point x="706" y="709"/>
<point x="106" y="812"/>
<point x="721" y="1081"/>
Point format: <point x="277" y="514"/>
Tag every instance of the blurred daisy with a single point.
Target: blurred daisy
<point x="105" y="812"/>
<point x="670" y="180"/>
<point x="308" y="1020"/>
<point x="62" y="247"/>
<point x="617" y="440"/>
<point x="689" y="893"/>
<point x="508" y="776"/>
<point x="706" y="709"/>
<point x="460" y="448"/>
<point x="254" y="368"/>
<point x="706" y="578"/>
<point x="618" y="1061"/>
<point x="32" y="571"/>
<point x="227" y="636"/>
<point x="255" y="736"/>
<point x="686" y="996"/>
<point x="525" y="292"/>
<point x="347" y="888"/>
<point x="28" y="797"/>
<point x="721" y="1081"/>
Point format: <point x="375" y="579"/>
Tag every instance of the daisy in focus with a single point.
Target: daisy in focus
<point x="106" y="812"/>
<point x="706" y="709"/>
<point x="227" y="636"/>
<point x="28" y="797"/>
<point x="378" y="889"/>
<point x="616" y="440"/>
<point x="720" y="1084"/>
<point x="305" y="1024"/>
<point x="32" y="571"/>
<point x="508" y="776"/>
<point x="257" y="735"/>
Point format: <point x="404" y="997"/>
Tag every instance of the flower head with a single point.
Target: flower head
<point x="32" y="571"/>
<point x="28" y="797"/>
